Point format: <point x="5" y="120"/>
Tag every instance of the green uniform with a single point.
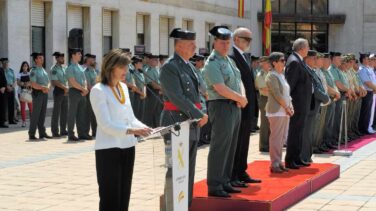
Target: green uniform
<point x="153" y="106"/>
<point x="139" y="103"/>
<point x="130" y="80"/>
<point x="328" y="135"/>
<point x="180" y="87"/>
<point x="224" y="136"/>
<point x="60" y="109"/>
<point x="91" y="78"/>
<point x="264" y="127"/>
<point x="319" y="126"/>
<point x="38" y="75"/>
<point x="77" y="102"/>
<point x="340" y="76"/>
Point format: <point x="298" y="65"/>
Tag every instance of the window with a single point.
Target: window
<point x="140" y="29"/>
<point x="37" y="39"/>
<point x="38" y="36"/>
<point x="283" y="34"/>
<point x="107" y="31"/>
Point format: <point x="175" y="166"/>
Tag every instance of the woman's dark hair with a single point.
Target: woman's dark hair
<point x="275" y="57"/>
<point x="115" y="58"/>
<point x="28" y="66"/>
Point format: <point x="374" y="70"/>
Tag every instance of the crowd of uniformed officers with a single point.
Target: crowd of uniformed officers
<point x="302" y="100"/>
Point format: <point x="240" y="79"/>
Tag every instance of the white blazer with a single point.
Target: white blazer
<point x="113" y="118"/>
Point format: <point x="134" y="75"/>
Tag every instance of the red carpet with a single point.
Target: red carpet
<point x="357" y="144"/>
<point x="276" y="192"/>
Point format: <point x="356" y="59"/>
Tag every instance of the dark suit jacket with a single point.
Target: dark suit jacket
<point x="249" y="111"/>
<point x="299" y="79"/>
<point x="3" y="80"/>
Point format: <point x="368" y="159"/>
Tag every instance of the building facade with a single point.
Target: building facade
<point x="97" y="26"/>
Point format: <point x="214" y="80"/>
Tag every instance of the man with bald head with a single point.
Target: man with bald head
<point x="242" y="41"/>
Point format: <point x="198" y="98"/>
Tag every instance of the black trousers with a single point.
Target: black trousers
<point x="241" y="155"/>
<point x="295" y="137"/>
<point x="11" y="99"/>
<point x="3" y="107"/>
<point x="114" y="175"/>
<point x="365" y="112"/>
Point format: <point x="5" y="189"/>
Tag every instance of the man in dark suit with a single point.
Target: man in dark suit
<point x="242" y="40"/>
<point x="3" y="99"/>
<point x="299" y="79"/>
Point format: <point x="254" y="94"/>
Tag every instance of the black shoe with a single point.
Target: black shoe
<point x="283" y="168"/>
<point x="219" y="193"/>
<point x="264" y="150"/>
<point x="302" y="163"/>
<point x="32" y="138"/>
<point x="291" y="165"/>
<point x="324" y="149"/>
<point x="238" y="184"/>
<point x="73" y="138"/>
<point x="63" y="133"/>
<point x="276" y="170"/>
<point x="45" y="136"/>
<point x="12" y="123"/>
<point x="56" y="136"/>
<point x="229" y="189"/>
<point x="257" y="128"/>
<point x="253" y="131"/>
<point x="85" y="137"/>
<point x="331" y="146"/>
<point x="317" y="151"/>
<point x="250" y="180"/>
<point x="4" y="126"/>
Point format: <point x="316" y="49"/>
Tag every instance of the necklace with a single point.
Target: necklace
<point x="121" y="99"/>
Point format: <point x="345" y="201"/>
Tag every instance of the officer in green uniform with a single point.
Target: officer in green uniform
<point x="342" y="84"/>
<point x="40" y="85"/>
<point x="181" y="96"/>
<point x="140" y="91"/>
<point x="91" y="80"/>
<point x="361" y="93"/>
<point x="10" y="89"/>
<point x="328" y="134"/>
<point x="199" y="61"/>
<point x="225" y="100"/>
<point x="129" y="81"/>
<point x="162" y="59"/>
<point x="60" y="94"/>
<point x="262" y="100"/>
<point x="153" y="105"/>
<point x="77" y="98"/>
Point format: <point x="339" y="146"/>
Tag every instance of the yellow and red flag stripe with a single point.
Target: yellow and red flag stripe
<point x="266" y="32"/>
<point x="241" y="8"/>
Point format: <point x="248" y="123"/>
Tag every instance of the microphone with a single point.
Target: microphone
<point x="177" y="124"/>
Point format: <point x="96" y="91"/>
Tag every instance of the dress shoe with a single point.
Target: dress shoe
<point x="276" y="170"/>
<point x="85" y="137"/>
<point x="229" y="189"/>
<point x="56" y="136"/>
<point x="64" y="133"/>
<point x="264" y="150"/>
<point x="331" y="146"/>
<point x="45" y="136"/>
<point x="324" y="149"/>
<point x="317" y="151"/>
<point x="32" y="138"/>
<point x="13" y="123"/>
<point x="253" y="131"/>
<point x="219" y="193"/>
<point x="257" y="128"/>
<point x="250" y="180"/>
<point x="291" y="165"/>
<point x="283" y="168"/>
<point x="73" y="138"/>
<point x="238" y="184"/>
<point x="4" y="126"/>
<point x="302" y="163"/>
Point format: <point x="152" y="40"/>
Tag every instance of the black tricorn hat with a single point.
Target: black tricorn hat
<point x="163" y="56"/>
<point x="326" y="55"/>
<point x="136" y="59"/>
<point x="181" y="34"/>
<point x="221" y="32"/>
<point x="36" y="54"/>
<point x="333" y="54"/>
<point x="75" y="50"/>
<point x="57" y="54"/>
<point x="312" y="53"/>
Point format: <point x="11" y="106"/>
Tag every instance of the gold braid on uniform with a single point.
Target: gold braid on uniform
<point x="122" y="97"/>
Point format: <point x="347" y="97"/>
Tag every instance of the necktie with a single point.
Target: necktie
<point x="247" y="58"/>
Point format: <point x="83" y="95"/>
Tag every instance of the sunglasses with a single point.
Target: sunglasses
<point x="248" y="39"/>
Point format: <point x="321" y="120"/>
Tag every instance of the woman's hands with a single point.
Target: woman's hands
<point x="140" y="131"/>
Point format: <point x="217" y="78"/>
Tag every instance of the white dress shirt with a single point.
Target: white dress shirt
<point x="113" y="118"/>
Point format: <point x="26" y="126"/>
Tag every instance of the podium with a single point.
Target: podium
<point x="179" y="160"/>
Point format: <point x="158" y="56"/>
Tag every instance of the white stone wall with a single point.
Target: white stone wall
<point x="16" y="26"/>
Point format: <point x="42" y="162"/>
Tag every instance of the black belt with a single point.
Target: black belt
<point x="224" y="101"/>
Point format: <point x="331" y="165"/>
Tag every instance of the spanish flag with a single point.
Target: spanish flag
<point x="241" y="8"/>
<point x="266" y="32"/>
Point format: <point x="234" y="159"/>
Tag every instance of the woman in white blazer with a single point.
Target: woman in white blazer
<point x="117" y="128"/>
